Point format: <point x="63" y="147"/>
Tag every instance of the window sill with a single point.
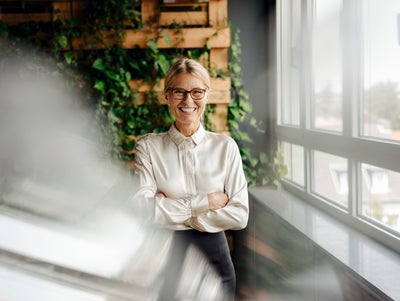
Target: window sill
<point x="374" y="263"/>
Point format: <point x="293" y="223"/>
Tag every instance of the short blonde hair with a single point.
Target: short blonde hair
<point x="190" y="66"/>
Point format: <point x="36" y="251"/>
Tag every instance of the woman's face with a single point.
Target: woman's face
<point x="187" y="111"/>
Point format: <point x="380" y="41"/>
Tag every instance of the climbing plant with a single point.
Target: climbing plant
<point x="264" y="168"/>
<point x="103" y="75"/>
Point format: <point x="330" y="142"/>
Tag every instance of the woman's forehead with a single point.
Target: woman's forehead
<point x="186" y="79"/>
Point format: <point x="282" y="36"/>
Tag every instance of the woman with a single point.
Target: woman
<point x="192" y="180"/>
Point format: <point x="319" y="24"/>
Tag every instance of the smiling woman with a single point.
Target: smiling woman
<point x="192" y="180"/>
<point x="187" y="110"/>
<point x="186" y="87"/>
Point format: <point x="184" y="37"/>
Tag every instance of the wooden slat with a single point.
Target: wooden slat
<point x="12" y="19"/>
<point x="221" y="83"/>
<point x="184" y="18"/>
<point x="149" y="12"/>
<point x="186" y="38"/>
<point x="78" y="9"/>
<point x="189" y="5"/>
<point x="218" y="13"/>
<point x="219" y="119"/>
<point x="62" y="10"/>
<point x="219" y="58"/>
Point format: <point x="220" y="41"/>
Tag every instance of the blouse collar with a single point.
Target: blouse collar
<point x="179" y="138"/>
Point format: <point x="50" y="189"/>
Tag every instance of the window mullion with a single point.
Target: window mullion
<point x="306" y="67"/>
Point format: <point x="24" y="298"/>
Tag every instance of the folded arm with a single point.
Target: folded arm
<point x="208" y="212"/>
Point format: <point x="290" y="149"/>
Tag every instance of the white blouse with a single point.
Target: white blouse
<point x="176" y="173"/>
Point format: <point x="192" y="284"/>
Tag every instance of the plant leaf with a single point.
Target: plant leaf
<point x="100" y="85"/>
<point x="98" y="64"/>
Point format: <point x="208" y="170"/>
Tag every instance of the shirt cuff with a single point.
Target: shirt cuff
<point x="199" y="204"/>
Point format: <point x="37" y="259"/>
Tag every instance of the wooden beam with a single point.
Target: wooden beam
<point x="219" y="119"/>
<point x="168" y="38"/>
<point x="182" y="38"/>
<point x="62" y="10"/>
<point x="218" y="13"/>
<point x="219" y="58"/>
<point x="149" y="12"/>
<point x="17" y="18"/>
<point x="184" y="18"/>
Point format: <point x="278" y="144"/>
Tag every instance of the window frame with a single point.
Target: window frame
<point x="349" y="143"/>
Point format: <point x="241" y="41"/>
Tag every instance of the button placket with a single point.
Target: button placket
<point x="190" y="166"/>
<point x="191" y="171"/>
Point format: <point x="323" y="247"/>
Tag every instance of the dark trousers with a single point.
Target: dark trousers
<point x="215" y="249"/>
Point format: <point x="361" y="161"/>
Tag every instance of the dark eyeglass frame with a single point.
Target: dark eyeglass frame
<point x="186" y="92"/>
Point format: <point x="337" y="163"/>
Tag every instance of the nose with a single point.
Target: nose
<point x="187" y="95"/>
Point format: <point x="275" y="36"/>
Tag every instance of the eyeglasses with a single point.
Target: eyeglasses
<point x="180" y="94"/>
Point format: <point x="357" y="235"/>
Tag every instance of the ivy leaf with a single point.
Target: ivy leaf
<point x="152" y="45"/>
<point x="163" y="64"/>
<point x="100" y="85"/>
<point x="134" y="65"/>
<point x="234" y="125"/>
<point x="62" y="41"/>
<point x="128" y="76"/>
<point x="112" y="75"/>
<point x="98" y="64"/>
<point x="68" y="56"/>
<point x="131" y="124"/>
<point x="245" y="137"/>
<point x="167" y="39"/>
<point x="253" y="122"/>
<point x="235" y="113"/>
<point x="247" y="107"/>
<point x="245" y="152"/>
<point x="253" y="161"/>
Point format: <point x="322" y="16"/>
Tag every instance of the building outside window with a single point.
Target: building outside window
<point x="338" y="109"/>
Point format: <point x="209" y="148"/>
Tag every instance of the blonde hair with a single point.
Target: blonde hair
<point x="190" y="66"/>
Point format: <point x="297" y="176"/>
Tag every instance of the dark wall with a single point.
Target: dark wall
<point x="256" y="21"/>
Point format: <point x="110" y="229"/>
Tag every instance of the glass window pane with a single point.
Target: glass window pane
<point x="290" y="52"/>
<point x="294" y="159"/>
<point x="330" y="177"/>
<point x="381" y="45"/>
<point x="327" y="65"/>
<point x="381" y="195"/>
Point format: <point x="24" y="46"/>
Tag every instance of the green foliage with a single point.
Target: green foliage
<point x="382" y="102"/>
<point x="261" y="169"/>
<point x="103" y="75"/>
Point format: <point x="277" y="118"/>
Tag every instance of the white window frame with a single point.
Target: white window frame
<point x="349" y="144"/>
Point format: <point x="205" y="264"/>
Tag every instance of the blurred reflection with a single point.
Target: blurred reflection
<point x="281" y="261"/>
<point x="66" y="216"/>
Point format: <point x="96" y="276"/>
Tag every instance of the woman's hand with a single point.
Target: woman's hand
<point x="217" y="200"/>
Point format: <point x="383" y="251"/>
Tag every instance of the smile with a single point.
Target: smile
<point x="187" y="110"/>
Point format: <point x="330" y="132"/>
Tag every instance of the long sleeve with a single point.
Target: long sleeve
<point x="235" y="214"/>
<point x="159" y="209"/>
<point x="176" y="174"/>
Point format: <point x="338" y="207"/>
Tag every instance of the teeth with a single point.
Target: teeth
<point x="188" y="110"/>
